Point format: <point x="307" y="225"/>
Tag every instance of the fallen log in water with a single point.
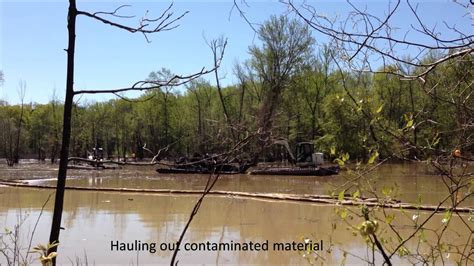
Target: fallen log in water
<point x="323" y="199"/>
<point x="95" y="162"/>
<point x="87" y="167"/>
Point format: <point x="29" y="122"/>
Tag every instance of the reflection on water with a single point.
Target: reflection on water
<point x="93" y="219"/>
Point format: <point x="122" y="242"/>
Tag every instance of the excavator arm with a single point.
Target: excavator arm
<point x="285" y="144"/>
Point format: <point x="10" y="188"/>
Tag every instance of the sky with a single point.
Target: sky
<point x="33" y="36"/>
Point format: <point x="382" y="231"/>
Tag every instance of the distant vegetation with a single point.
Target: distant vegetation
<point x="314" y="107"/>
<point x="287" y="89"/>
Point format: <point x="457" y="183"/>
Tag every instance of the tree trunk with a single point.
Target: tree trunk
<point x="265" y="120"/>
<point x="10" y="146"/>
<point x="62" y="173"/>
<point x="413" y="111"/>
<point x="55" y="148"/>
<point x="16" y="157"/>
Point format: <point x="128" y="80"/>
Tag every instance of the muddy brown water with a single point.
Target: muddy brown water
<point x="93" y="220"/>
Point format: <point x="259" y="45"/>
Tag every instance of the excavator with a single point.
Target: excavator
<point x="305" y="162"/>
<point x="305" y="155"/>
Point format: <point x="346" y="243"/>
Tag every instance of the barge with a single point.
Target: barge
<point x="298" y="171"/>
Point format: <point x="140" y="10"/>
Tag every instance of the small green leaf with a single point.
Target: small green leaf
<point x="356" y="194"/>
<point x="447" y="217"/>
<point x="339" y="162"/>
<point x="343" y="213"/>
<point x="403" y="251"/>
<point x="386" y="191"/>
<point x="345" y="157"/>
<point x="389" y="219"/>
<point x="380" y="108"/>
<point x="373" y="157"/>
<point x="341" y="195"/>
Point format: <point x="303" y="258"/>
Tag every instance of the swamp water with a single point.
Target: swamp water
<point x="94" y="221"/>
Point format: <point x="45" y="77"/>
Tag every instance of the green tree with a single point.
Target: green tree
<point x="285" y="48"/>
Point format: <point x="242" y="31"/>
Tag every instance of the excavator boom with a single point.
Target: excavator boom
<point x="285" y="144"/>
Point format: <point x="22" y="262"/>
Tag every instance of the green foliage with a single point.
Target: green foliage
<point x="340" y="196"/>
<point x="368" y="227"/>
<point x="373" y="157"/>
<point x="365" y="118"/>
<point x="285" y="43"/>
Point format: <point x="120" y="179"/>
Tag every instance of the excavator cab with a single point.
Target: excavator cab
<point x="304" y="152"/>
<point x="98" y="154"/>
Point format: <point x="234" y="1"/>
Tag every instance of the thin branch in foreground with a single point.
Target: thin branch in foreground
<point x="145" y="85"/>
<point x="380" y="41"/>
<point x="209" y="185"/>
<point x="165" y="22"/>
<point x="114" y="13"/>
<point x="207" y="189"/>
<point x="36" y="225"/>
<point x="242" y="14"/>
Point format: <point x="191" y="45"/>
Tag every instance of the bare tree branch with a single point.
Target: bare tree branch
<point x="351" y="42"/>
<point x="145" y="85"/>
<point x="114" y="13"/>
<point x="146" y="26"/>
<point x="243" y="15"/>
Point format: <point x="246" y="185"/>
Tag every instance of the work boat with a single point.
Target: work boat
<point x="306" y="162"/>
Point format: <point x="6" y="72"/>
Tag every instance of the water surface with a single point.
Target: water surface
<point x="93" y="219"/>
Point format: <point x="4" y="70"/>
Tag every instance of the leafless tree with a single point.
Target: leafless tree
<point x="217" y="47"/>
<point x="362" y="37"/>
<point x="21" y="94"/>
<point x="146" y="26"/>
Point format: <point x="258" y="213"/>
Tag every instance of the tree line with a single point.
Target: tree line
<point x="289" y="89"/>
<point x="314" y="108"/>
